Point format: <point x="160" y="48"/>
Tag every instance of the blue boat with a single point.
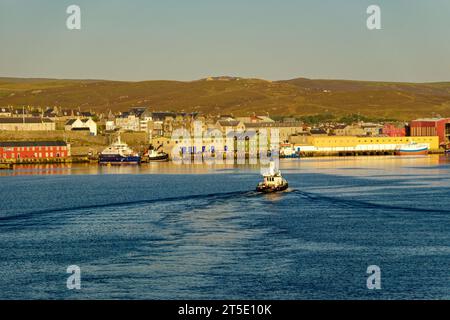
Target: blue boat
<point x="290" y="156"/>
<point x="119" y="153"/>
<point x="119" y="159"/>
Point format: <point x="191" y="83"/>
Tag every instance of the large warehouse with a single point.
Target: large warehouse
<point x="432" y="127"/>
<point x="27" y="124"/>
<point x="33" y="150"/>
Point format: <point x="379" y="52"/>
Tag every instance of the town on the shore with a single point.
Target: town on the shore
<point x="52" y="134"/>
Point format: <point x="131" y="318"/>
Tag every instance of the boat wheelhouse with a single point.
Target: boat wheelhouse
<point x="273" y="180"/>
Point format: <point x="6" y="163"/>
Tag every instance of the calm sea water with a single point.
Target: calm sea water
<point x="170" y="232"/>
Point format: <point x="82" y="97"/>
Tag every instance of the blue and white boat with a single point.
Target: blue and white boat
<point x="119" y="153"/>
<point x="412" y="149"/>
<point x="287" y="151"/>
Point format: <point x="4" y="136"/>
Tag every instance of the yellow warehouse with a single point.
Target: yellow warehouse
<point x="352" y="143"/>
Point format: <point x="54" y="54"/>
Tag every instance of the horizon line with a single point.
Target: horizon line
<point x="217" y="76"/>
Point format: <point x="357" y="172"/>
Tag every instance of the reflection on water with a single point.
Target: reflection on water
<point x="325" y="165"/>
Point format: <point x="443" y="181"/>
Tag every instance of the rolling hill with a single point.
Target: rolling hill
<point x="238" y="96"/>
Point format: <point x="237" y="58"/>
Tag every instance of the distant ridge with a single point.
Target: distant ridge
<point x="240" y="96"/>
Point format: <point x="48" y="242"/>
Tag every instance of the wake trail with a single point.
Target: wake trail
<point x="213" y="196"/>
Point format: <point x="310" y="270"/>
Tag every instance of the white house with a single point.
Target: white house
<point x="82" y="125"/>
<point x="128" y="122"/>
<point x="110" y="125"/>
<point x="137" y="119"/>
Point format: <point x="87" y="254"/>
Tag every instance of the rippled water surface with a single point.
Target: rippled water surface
<point x="188" y="232"/>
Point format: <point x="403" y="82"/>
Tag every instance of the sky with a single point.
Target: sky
<point x="192" y="39"/>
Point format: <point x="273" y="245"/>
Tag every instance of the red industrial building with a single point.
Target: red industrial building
<point x="394" y="130"/>
<point x="33" y="150"/>
<point x="432" y="127"/>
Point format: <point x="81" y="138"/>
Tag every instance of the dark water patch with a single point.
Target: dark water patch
<point x="367" y="205"/>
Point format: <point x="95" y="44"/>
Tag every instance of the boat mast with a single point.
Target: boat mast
<point x="118" y="137"/>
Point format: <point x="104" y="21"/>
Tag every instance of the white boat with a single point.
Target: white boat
<point x="412" y="149"/>
<point x="273" y="180"/>
<point x="119" y="153"/>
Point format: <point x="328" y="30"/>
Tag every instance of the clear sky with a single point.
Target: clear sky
<point x="192" y="39"/>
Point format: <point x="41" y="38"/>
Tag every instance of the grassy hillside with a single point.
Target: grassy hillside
<point x="295" y="97"/>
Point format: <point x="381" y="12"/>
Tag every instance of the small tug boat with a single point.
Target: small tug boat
<point x="119" y="153"/>
<point x="273" y="181"/>
<point x="154" y="155"/>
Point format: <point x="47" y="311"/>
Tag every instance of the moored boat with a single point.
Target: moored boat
<point x="287" y="151"/>
<point x="6" y="166"/>
<point x="273" y="181"/>
<point x="412" y="149"/>
<point x="119" y="153"/>
<point x="154" y="155"/>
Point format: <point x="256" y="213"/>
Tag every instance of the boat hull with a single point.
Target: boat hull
<point x="161" y="158"/>
<point x="6" y="166"/>
<point x="118" y="160"/>
<point x="269" y="189"/>
<point x="422" y="152"/>
<point x="291" y="156"/>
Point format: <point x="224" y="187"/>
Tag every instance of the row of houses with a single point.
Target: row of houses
<point x="46" y="124"/>
<point x="142" y="119"/>
<point x="46" y="119"/>
<point x="54" y="113"/>
<point x="163" y="124"/>
<point x="27" y="124"/>
<point x="397" y="129"/>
